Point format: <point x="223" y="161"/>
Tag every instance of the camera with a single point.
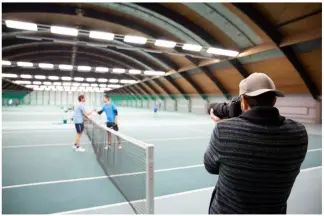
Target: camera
<point x="226" y="110"/>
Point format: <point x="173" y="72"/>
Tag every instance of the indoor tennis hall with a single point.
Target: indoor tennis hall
<point x="155" y="70"/>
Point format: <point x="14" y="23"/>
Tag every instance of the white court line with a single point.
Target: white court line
<point x="312" y="150"/>
<point x="158" y="197"/>
<point x="99" y="177"/>
<point x="146" y="140"/>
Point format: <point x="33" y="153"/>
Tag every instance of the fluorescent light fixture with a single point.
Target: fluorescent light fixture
<point x="118" y="70"/>
<point x="66" y="83"/>
<point x="192" y="47"/>
<point x="113" y="80"/>
<point x="76" y="84"/>
<point x="165" y="43"/>
<point x="57" y="83"/>
<point x="114" y="86"/>
<point x="25" y="64"/>
<point x="74" y="88"/>
<point x="154" y="73"/>
<point x="135" y="39"/>
<point x="37" y="82"/>
<point x="31" y="86"/>
<point x="78" y="78"/>
<point x="102" y="85"/>
<point x="65" y="67"/>
<point x="99" y="90"/>
<point x="4" y="62"/>
<point x="53" y="77"/>
<point x="47" y="83"/>
<point x="21" y="25"/>
<point x="46" y="66"/>
<point x="25" y="76"/>
<point x="132" y="71"/>
<point x="64" y="30"/>
<point x="22" y="82"/>
<point x="85" y="84"/>
<point x="66" y="78"/>
<point x="105" y="89"/>
<point x="80" y="90"/>
<point x="84" y="68"/>
<point x="101" y="35"/>
<point x="94" y="85"/>
<point x="223" y="52"/>
<point x="102" y="80"/>
<point x="102" y="69"/>
<point x="59" y="89"/>
<point x="9" y="75"/>
<point x="127" y="81"/>
<point x="91" y="79"/>
<point x="40" y="77"/>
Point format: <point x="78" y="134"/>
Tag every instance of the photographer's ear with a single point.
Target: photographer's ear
<point x="244" y="104"/>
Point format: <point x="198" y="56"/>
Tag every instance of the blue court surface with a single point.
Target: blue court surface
<point x="42" y="174"/>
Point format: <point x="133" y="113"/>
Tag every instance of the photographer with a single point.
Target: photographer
<point x="257" y="155"/>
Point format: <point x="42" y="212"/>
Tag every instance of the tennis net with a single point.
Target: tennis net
<point x="129" y="168"/>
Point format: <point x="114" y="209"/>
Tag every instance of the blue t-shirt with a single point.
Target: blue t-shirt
<point x="78" y="116"/>
<point x="110" y="110"/>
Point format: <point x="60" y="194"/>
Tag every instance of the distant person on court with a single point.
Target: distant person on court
<point x="156" y="107"/>
<point x="78" y="118"/>
<point x="111" y="112"/>
<point x="257" y="156"/>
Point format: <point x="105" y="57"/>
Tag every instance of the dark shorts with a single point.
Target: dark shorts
<point x="155" y="109"/>
<point x="79" y="127"/>
<point x="112" y="126"/>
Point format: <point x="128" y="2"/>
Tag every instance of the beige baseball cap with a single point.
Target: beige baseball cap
<point x="257" y="84"/>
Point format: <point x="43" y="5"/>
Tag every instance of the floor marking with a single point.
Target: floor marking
<point x="311" y="169"/>
<point x="126" y="203"/>
<point x="312" y="150"/>
<point x="99" y="177"/>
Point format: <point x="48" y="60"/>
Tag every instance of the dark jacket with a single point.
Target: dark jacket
<point x="257" y="157"/>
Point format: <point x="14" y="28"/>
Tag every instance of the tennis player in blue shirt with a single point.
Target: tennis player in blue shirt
<point x="78" y="118"/>
<point x="112" y="118"/>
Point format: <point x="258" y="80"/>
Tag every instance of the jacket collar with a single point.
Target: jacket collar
<point x="263" y="115"/>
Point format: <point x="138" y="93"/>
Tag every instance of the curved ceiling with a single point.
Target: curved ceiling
<point x="261" y="38"/>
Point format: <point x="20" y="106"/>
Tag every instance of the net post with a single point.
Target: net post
<point x="150" y="179"/>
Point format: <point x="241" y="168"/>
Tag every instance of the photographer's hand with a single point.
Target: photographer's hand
<point x="213" y="117"/>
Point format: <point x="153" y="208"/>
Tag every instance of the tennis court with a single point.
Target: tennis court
<point x="42" y="174"/>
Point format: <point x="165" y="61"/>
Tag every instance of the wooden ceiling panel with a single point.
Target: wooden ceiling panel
<point x="169" y="86"/>
<point x="161" y="91"/>
<point x="301" y="26"/>
<point x="230" y="78"/>
<point x="278" y="13"/>
<point x="205" y="83"/>
<point x="185" y="86"/>
<point x="147" y="89"/>
<point x="312" y="61"/>
<point x="209" y="27"/>
<point x="282" y="73"/>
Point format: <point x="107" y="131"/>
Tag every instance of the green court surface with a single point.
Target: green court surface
<point x="42" y="174"/>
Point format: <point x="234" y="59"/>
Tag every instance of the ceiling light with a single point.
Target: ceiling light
<point x="101" y="35"/>
<point x="224" y="52"/>
<point x="113" y="80"/>
<point x="154" y="73"/>
<point x="132" y="71"/>
<point x="118" y="70"/>
<point x="135" y="39"/>
<point x="64" y="30"/>
<point x="53" y="77"/>
<point x="85" y="84"/>
<point x="84" y="68"/>
<point x="105" y="89"/>
<point x="46" y="66"/>
<point x="127" y="81"/>
<point x="192" y="47"/>
<point x="9" y="75"/>
<point x="102" y="69"/>
<point x="165" y="43"/>
<point x="94" y="85"/>
<point x="22" y="82"/>
<point x="91" y="79"/>
<point x="66" y="83"/>
<point x="25" y="64"/>
<point x="102" y="85"/>
<point x="57" y="83"/>
<point x="25" y="76"/>
<point x="65" y="67"/>
<point x="6" y="62"/>
<point x="31" y="86"/>
<point x="21" y="25"/>
<point x="114" y="86"/>
<point x="102" y="80"/>
<point x="40" y="77"/>
<point x="76" y="84"/>
<point x="66" y="78"/>
<point x="37" y="82"/>
<point x="78" y="78"/>
<point x="47" y="83"/>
